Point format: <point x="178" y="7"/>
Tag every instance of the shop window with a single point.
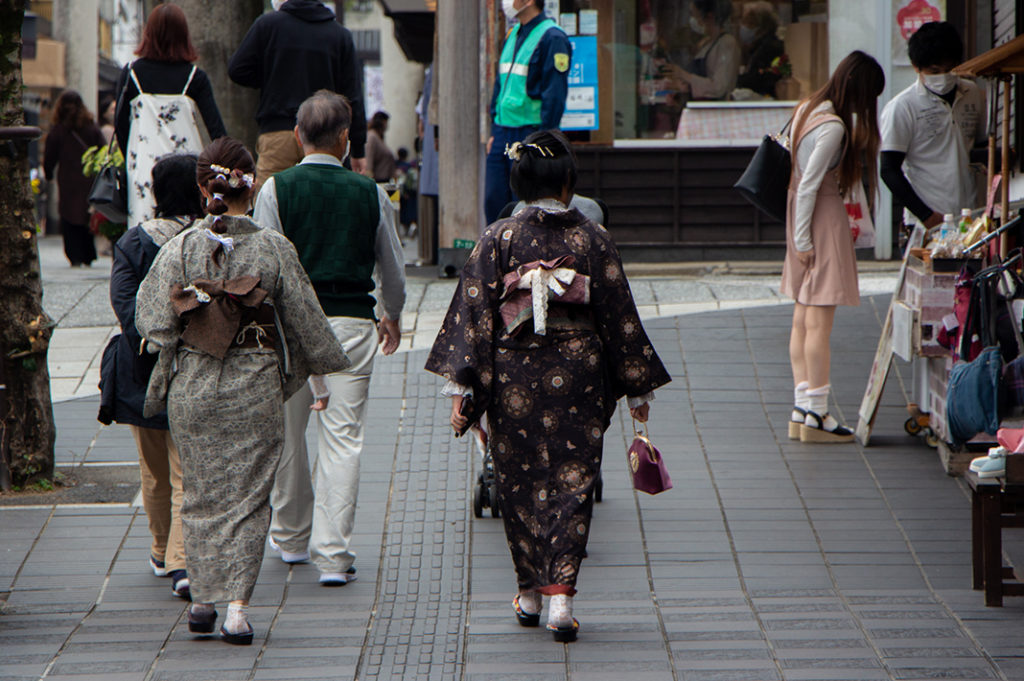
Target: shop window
<point x="666" y="57"/>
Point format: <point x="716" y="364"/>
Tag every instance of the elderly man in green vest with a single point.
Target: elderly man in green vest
<point x="342" y="225"/>
<point x="529" y="91"/>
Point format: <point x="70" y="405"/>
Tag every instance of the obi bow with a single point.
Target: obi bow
<point x="212" y="310"/>
<point x="529" y="288"/>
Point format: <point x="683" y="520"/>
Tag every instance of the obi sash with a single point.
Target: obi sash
<point x="225" y="313"/>
<point x="530" y="287"/>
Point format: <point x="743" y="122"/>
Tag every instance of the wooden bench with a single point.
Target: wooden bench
<point x="995" y="505"/>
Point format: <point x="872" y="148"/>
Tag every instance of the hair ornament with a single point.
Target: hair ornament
<point x="227" y="242"/>
<point x="238" y="178"/>
<point x="217" y="196"/>
<point x="515" y="150"/>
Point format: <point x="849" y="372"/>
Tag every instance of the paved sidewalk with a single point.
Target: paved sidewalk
<point x="769" y="559"/>
<point x="78" y="301"/>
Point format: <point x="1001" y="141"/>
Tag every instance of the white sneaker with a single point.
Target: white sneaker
<point x="338" y="578"/>
<point x="288" y="556"/>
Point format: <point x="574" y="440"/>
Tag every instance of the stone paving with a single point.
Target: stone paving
<point x="769" y="560"/>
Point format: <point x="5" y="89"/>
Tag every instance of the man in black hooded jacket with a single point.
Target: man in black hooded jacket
<point x="289" y="54"/>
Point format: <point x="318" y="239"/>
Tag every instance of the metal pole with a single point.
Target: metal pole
<point x="1005" y="204"/>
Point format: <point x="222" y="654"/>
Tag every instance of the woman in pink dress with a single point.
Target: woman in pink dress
<point x="834" y="145"/>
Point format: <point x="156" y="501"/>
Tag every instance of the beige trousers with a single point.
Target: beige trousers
<point x="160" y="473"/>
<point x="314" y="501"/>
<point x="275" y="151"/>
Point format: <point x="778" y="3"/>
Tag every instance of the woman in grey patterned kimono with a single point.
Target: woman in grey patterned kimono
<point x="238" y="329"/>
<point x="543" y="335"/>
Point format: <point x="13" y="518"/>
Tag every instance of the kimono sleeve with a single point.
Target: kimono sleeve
<point x="633" y="367"/>
<point x="311" y="344"/>
<point x="156" y="321"/>
<point x="463" y="351"/>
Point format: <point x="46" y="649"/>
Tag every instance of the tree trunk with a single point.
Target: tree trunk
<point x="217" y="28"/>
<point x="24" y="327"/>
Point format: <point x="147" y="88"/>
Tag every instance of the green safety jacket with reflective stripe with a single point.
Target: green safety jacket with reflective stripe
<point x="515" y="108"/>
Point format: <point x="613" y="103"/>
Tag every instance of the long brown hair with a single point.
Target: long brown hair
<point x="70" y="111"/>
<point x="853" y="90"/>
<point x="166" y="37"/>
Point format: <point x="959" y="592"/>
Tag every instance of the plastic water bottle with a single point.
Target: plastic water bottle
<point x="948" y="227"/>
<point x="965" y="220"/>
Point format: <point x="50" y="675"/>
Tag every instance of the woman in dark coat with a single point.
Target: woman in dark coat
<point x="543" y="335"/>
<point x="761" y="46"/>
<point x="73" y="131"/>
<point x="125" y="370"/>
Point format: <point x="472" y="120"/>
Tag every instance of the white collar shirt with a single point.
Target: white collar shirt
<point x="937" y="139"/>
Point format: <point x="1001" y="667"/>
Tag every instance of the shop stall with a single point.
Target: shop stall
<point x="935" y="304"/>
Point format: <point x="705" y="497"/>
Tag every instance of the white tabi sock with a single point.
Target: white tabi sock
<point x="560" y="611"/>
<point x="236" y="622"/>
<point x="530" y="602"/>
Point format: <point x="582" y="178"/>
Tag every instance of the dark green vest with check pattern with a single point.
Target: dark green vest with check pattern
<point x="331" y="215"/>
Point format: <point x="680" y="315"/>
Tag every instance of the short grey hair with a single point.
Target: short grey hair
<point x="322" y="118"/>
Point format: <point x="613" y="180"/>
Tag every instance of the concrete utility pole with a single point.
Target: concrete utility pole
<point x="76" y="24"/>
<point x="458" y="93"/>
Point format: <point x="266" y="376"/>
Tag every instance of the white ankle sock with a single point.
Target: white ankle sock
<point x="201" y="609"/>
<point x="817" y="399"/>
<point x="560" y="611"/>
<point x="236" y="622"/>
<point x="530" y="602"/>
<point x="800" y="399"/>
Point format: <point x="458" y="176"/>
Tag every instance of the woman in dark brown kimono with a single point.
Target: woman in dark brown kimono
<point x="543" y="336"/>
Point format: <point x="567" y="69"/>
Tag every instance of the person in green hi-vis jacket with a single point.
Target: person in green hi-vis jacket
<point x="529" y="91"/>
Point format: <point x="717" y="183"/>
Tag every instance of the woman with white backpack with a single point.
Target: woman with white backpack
<point x="163" y="96"/>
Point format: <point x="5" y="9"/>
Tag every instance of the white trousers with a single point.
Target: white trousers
<point x="314" y="501"/>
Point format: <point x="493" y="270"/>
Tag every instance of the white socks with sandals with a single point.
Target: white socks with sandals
<point x="530" y="602"/>
<point x="817" y="402"/>
<point x="236" y="621"/>
<point x="560" y="611"/>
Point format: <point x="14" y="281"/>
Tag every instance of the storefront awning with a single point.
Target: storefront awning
<point x="414" y="27"/>
<point x="47" y="69"/>
<point x="1006" y="59"/>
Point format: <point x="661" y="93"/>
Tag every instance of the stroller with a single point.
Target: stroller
<point x="485" y="495"/>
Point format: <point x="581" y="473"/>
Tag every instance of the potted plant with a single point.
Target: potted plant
<point x="95" y="159"/>
<point x="787" y="88"/>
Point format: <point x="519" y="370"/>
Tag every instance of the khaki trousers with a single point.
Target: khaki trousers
<point x="314" y="501"/>
<point x="275" y="151"/>
<point x="160" y="472"/>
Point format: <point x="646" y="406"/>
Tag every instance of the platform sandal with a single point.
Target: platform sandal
<point x="817" y="432"/>
<point x="796" y="421"/>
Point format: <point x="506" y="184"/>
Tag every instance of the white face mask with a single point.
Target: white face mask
<point x="276" y="4"/>
<point x="696" y="25"/>
<point x="509" y="8"/>
<point x="348" y="148"/>
<point x="747" y="35"/>
<point x="939" y="83"/>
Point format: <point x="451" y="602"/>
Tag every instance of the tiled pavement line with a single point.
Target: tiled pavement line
<point x="838" y="592"/>
<point x="35" y="542"/>
<point x="747" y="597"/>
<point x="417" y="632"/>
<point x="99" y="598"/>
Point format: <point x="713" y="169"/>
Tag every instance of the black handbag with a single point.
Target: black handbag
<point x="109" y="193"/>
<point x="765" y="182"/>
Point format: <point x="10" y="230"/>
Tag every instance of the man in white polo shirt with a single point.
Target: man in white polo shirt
<point x="929" y="130"/>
